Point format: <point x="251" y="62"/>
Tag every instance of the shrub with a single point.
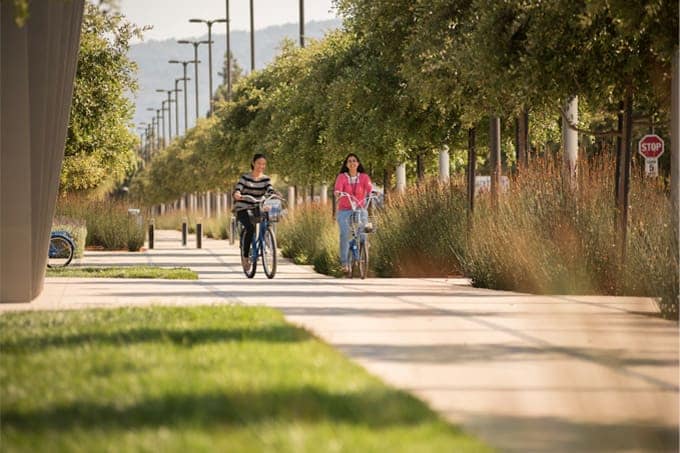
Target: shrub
<point x="310" y="236"/>
<point x="109" y="225"/>
<point x="421" y="233"/>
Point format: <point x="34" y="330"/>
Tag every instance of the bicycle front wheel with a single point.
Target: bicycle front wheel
<point x="269" y="253"/>
<point x="363" y="260"/>
<point x="60" y="253"/>
<point x="249" y="264"/>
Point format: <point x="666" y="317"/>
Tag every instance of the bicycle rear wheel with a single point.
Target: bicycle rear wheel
<point x="269" y="253"/>
<point x="363" y="260"/>
<point x="60" y="253"/>
<point x="249" y="265"/>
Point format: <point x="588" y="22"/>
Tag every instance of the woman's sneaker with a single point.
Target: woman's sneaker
<point x="245" y="262"/>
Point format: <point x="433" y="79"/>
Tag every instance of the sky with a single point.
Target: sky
<point x="170" y="18"/>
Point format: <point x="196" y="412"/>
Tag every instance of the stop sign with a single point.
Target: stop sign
<point x="651" y="146"/>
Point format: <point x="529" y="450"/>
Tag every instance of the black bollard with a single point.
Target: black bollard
<point x="184" y="233"/>
<point x="151" y="234"/>
<point x="199" y="235"/>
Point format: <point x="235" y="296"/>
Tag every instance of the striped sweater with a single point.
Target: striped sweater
<point x="248" y="185"/>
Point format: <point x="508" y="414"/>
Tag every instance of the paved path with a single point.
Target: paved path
<point x="526" y="373"/>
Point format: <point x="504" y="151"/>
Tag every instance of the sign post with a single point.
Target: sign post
<point x="651" y="148"/>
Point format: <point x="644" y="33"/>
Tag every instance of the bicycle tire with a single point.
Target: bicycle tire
<point x="363" y="260"/>
<point x="269" y="253"/>
<point x="250" y="268"/>
<point x="60" y="252"/>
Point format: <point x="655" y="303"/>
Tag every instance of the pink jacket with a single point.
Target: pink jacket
<point x="360" y="190"/>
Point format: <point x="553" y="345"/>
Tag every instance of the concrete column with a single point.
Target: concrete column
<point x="162" y="208"/>
<point x="207" y="209"/>
<point x="182" y="203"/>
<point x="444" y="164"/>
<point x="401" y="178"/>
<point x="570" y="138"/>
<point x="324" y="194"/>
<point x="38" y="63"/>
<point x="218" y="204"/>
<point x="291" y="200"/>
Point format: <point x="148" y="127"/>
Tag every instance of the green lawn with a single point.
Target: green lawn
<point x="177" y="273"/>
<point x="224" y="378"/>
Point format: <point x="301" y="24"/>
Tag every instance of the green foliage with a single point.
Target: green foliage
<point x="220" y="378"/>
<point x="109" y="225"/>
<point x="100" y="145"/>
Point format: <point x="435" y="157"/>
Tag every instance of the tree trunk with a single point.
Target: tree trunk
<point x="495" y="156"/>
<point x="471" y="166"/>
<point x="420" y="169"/>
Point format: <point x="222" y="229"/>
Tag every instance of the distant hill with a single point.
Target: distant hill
<point x="155" y="71"/>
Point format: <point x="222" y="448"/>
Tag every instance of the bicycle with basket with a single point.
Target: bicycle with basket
<point x="263" y="216"/>
<point x="361" y="223"/>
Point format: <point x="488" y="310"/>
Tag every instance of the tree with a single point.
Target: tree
<point x="100" y="146"/>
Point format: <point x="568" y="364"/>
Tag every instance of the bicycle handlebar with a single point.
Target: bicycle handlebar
<point x="354" y="200"/>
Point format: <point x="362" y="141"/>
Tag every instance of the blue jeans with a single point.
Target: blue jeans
<point x="343" y="217"/>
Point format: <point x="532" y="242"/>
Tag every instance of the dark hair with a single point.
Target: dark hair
<point x="255" y="157"/>
<point x="344" y="168"/>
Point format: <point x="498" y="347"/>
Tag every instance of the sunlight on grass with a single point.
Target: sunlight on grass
<point x="176" y="273"/>
<point x="197" y="379"/>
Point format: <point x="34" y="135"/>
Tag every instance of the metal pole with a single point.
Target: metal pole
<point x="177" y="90"/>
<point x="252" y="38"/>
<point x="186" y="120"/>
<point x="158" y="128"/>
<point x="163" y="119"/>
<point x="302" y="23"/>
<point x="169" y="118"/>
<point x="228" y="56"/>
<point x="196" y="74"/>
<point x="210" y="89"/>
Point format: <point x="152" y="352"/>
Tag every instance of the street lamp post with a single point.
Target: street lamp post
<point x="302" y="23"/>
<point x="195" y="44"/>
<point x="177" y="90"/>
<point x="185" y="78"/>
<point x="209" y="23"/>
<point x="252" y="38"/>
<point x="163" y="110"/>
<point x="228" y="55"/>
<point x="169" y="119"/>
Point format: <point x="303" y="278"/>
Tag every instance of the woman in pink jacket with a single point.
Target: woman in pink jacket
<point x="352" y="180"/>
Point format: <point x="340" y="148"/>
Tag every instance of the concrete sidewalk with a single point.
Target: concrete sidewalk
<point x="526" y="373"/>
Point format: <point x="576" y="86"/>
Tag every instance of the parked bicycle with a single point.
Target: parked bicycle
<point x="264" y="240"/>
<point x="61" y="251"/>
<point x="360" y="224"/>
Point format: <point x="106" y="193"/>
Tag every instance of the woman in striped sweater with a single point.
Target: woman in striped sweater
<point x="256" y="184"/>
